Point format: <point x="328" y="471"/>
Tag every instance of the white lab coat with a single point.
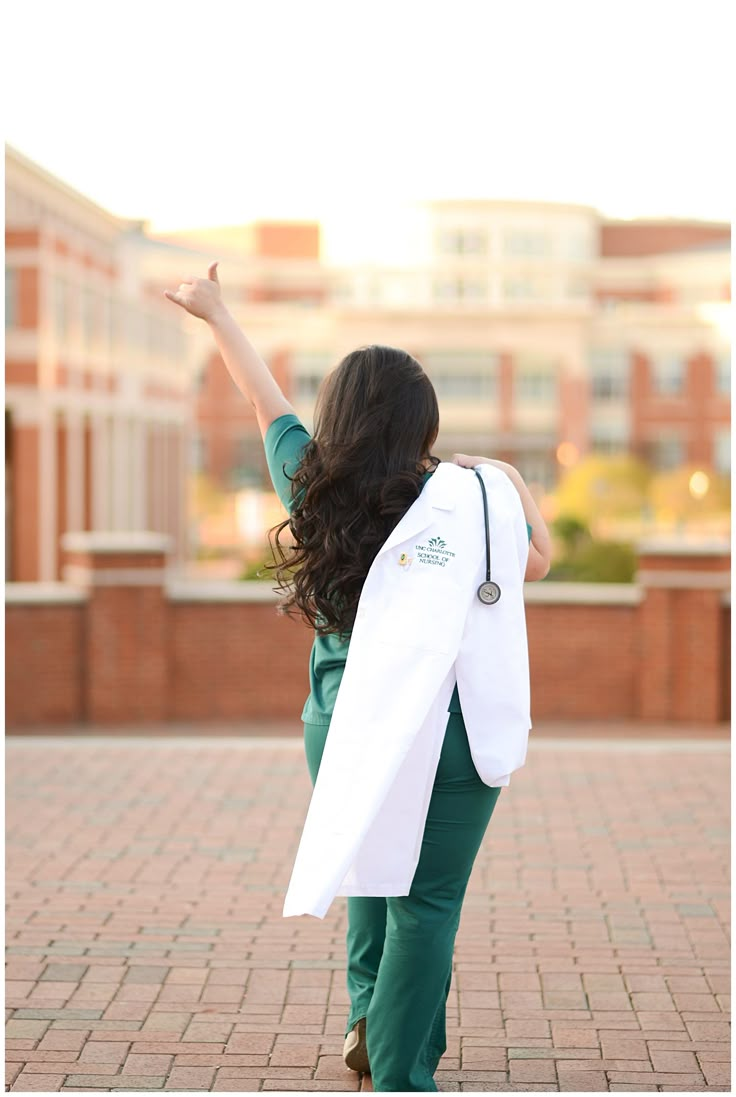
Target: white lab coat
<point x="419" y="628"/>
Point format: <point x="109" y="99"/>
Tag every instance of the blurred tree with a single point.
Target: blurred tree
<point x="570" y="531"/>
<point x="606" y="562"/>
<point x="602" y="485"/>
<point x="688" y="493"/>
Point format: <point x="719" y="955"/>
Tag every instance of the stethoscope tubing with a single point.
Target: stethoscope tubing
<point x="488" y="592"/>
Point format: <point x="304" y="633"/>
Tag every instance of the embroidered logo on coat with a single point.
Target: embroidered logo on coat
<point x="434" y="552"/>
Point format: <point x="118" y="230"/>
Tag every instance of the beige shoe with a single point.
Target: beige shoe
<point x="355" y="1052"/>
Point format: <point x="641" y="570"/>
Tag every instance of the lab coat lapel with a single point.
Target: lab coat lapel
<point x="436" y="494"/>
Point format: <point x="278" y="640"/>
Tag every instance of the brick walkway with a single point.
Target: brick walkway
<point x="146" y="947"/>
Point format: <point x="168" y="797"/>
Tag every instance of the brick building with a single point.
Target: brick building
<point x="98" y="402"/>
<point x="539" y="323"/>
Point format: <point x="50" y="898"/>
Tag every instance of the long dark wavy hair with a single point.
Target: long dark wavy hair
<point x="376" y="417"/>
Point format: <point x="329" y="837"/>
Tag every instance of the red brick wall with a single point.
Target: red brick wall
<point x="652" y="237"/>
<point x="573" y="675"/>
<point x="287" y="240"/>
<point x="131" y="655"/>
<point x="236" y="661"/>
<point x="27" y="315"/>
<point x="697" y="412"/>
<point x="43" y="665"/>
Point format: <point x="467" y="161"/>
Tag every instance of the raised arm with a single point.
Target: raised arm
<point x="201" y="297"/>
<point x="540" y="546"/>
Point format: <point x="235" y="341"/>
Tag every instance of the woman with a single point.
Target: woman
<point x="345" y="489"/>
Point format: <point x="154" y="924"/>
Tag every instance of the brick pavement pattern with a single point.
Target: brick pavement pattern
<point x="146" y="947"/>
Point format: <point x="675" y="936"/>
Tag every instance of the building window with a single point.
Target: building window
<point x="106" y="320"/>
<point x="199" y="453"/>
<point x="667" y="451"/>
<point x="516" y="289"/>
<point x="463" y="387"/>
<point x="306" y="386"/>
<point x="578" y="246"/>
<point x="11" y="298"/>
<point x="723" y="375"/>
<point x="308" y="369"/>
<point x="578" y="286"/>
<point x="462" y="375"/>
<point x="536" y="468"/>
<point x="668" y="376"/>
<point x="534" y="383"/>
<point x="609" y="438"/>
<point x="461" y="289"/>
<point x="722" y="451"/>
<point x="463" y="242"/>
<point x="526" y="243"/>
<point x="245" y="470"/>
<point x="61" y="307"/>
<point x="90" y="316"/>
<point x="609" y="374"/>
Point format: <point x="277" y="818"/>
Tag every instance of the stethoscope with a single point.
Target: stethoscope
<point x="488" y="592"/>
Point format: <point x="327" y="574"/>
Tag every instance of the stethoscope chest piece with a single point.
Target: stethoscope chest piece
<point x="489" y="593"/>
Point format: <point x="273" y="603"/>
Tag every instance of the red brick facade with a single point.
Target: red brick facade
<point x="643" y="237"/>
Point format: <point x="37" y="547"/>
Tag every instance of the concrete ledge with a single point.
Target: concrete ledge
<point x="221" y="590"/>
<point x="687" y="580"/>
<point x="113" y="577"/>
<point x="38" y="594"/>
<point x="253" y="590"/>
<point x="113" y="541"/>
<point x="683" y="546"/>
<point x="583" y="594"/>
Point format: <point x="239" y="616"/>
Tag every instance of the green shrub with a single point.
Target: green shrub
<point x="570" y="530"/>
<point x="600" y="562"/>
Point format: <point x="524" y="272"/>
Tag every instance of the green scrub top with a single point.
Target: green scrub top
<point x="285" y="438"/>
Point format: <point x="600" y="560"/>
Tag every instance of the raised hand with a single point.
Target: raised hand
<point x="200" y="296"/>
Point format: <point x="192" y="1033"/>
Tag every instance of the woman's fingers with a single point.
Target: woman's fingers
<point x="175" y="297"/>
<point x="212" y="271"/>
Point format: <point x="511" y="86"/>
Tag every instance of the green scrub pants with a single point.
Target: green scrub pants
<point x="399" y="950"/>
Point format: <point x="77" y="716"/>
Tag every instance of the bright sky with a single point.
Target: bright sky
<point x="215" y="112"/>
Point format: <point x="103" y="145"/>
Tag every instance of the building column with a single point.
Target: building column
<point x="101" y="502"/>
<point x="138" y="474"/>
<point x="185" y="444"/>
<point x="47" y="496"/>
<point x="25" y="496"/>
<point x="74" y="470"/>
<point x="121" y="473"/>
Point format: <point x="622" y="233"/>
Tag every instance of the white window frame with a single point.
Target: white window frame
<point x="613" y="365"/>
<point x="662" y="371"/>
<point x="656" y="448"/>
<point x="723" y="374"/>
<point x="722" y="450"/>
<point x="11" y="298"/>
<point x="527" y="376"/>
